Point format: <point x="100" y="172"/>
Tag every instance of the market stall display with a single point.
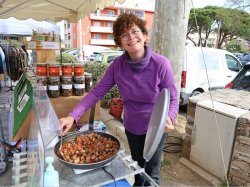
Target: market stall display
<point x="106" y="154"/>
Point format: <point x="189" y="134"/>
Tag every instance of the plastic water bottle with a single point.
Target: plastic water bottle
<point x="51" y="176"/>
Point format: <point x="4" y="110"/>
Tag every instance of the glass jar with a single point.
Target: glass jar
<point x="54" y="70"/>
<point x="42" y="81"/>
<point x="66" y="86"/>
<point x="79" y="85"/>
<point x="78" y="69"/>
<point x="88" y="81"/>
<point x="53" y="87"/>
<point x="66" y="70"/>
<point x="41" y="70"/>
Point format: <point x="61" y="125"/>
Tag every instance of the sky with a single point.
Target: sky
<point x="203" y="3"/>
<point x="149" y="4"/>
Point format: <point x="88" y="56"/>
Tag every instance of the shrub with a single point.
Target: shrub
<point x="98" y="70"/>
<point x="66" y="58"/>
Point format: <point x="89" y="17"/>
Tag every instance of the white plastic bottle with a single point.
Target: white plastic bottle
<point x="51" y="176"/>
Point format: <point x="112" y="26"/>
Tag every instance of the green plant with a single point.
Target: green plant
<point x="225" y="184"/>
<point x="98" y="70"/>
<point x="65" y="58"/>
<point x="166" y="163"/>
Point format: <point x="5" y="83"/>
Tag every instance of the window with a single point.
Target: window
<point x="211" y="61"/>
<point x="111" y="12"/>
<point x="110" y="24"/>
<point x="97" y="36"/>
<point x="110" y="36"/>
<point x="97" y="24"/>
<point x="111" y="59"/>
<point x="232" y="63"/>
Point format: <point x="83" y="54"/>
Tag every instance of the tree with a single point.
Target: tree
<point x="169" y="36"/>
<point x="234" y="23"/>
<point x="205" y="20"/>
<point x="228" y="23"/>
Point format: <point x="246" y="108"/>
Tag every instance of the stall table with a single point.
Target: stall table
<point x="120" y="167"/>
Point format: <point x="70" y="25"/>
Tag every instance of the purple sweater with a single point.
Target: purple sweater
<point x="139" y="85"/>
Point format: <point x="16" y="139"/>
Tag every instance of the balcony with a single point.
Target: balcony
<point x="104" y="17"/>
<point x="101" y="42"/>
<point x="101" y="29"/>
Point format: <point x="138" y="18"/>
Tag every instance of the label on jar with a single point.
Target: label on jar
<point x="66" y="86"/>
<point x="42" y="87"/>
<point x="79" y="86"/>
<point x="53" y="87"/>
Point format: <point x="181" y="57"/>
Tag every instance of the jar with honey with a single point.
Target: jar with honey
<point x="54" y="70"/>
<point x="66" y="69"/>
<point x="66" y="85"/>
<point x="78" y="69"/>
<point x="41" y="70"/>
<point x="79" y="85"/>
<point x="54" y="87"/>
<point x="88" y="81"/>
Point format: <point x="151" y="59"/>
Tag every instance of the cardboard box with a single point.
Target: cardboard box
<point x="62" y="106"/>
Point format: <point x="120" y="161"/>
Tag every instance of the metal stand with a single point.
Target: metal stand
<point x="19" y="170"/>
<point x="121" y="167"/>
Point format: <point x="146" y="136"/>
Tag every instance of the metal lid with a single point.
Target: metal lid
<point x="156" y="125"/>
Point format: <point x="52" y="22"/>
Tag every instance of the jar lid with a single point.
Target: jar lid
<point x="66" y="77"/>
<point x="86" y="73"/>
<point x="54" y="78"/>
<point x="78" y="77"/>
<point x="41" y="77"/>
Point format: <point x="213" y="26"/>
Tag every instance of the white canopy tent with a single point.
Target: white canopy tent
<point x="13" y="26"/>
<point x="55" y="10"/>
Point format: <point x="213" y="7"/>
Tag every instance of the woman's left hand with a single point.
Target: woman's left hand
<point x="169" y="125"/>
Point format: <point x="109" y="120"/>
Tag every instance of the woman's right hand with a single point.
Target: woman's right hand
<point x="66" y="123"/>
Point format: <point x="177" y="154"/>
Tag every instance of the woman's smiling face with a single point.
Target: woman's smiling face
<point x="133" y="40"/>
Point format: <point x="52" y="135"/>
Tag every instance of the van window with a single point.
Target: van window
<point x="211" y="60"/>
<point x="232" y="63"/>
<point x="111" y="58"/>
<point x="98" y="58"/>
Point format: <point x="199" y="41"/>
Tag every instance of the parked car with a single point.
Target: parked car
<point x="107" y="57"/>
<point x="220" y="65"/>
<point x="87" y="51"/>
<point x="74" y="52"/>
<point x="238" y="55"/>
<point x="245" y="58"/>
<point x="92" y="57"/>
<point x="242" y="79"/>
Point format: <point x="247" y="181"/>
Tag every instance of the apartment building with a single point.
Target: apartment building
<point x="97" y="27"/>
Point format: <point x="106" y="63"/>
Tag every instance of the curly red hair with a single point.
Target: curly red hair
<point x="125" y="22"/>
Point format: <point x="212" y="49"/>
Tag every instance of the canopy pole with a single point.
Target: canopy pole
<point x="80" y="58"/>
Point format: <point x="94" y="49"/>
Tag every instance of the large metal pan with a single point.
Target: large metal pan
<point x="84" y="166"/>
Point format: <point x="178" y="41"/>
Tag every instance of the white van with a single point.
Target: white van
<point x="222" y="66"/>
<point x="90" y="49"/>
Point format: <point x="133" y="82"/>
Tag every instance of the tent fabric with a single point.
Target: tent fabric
<point x="55" y="10"/>
<point x="13" y="26"/>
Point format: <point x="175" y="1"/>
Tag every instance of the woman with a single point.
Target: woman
<point x="140" y="75"/>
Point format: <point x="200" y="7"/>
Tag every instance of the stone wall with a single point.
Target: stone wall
<point x="239" y="170"/>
